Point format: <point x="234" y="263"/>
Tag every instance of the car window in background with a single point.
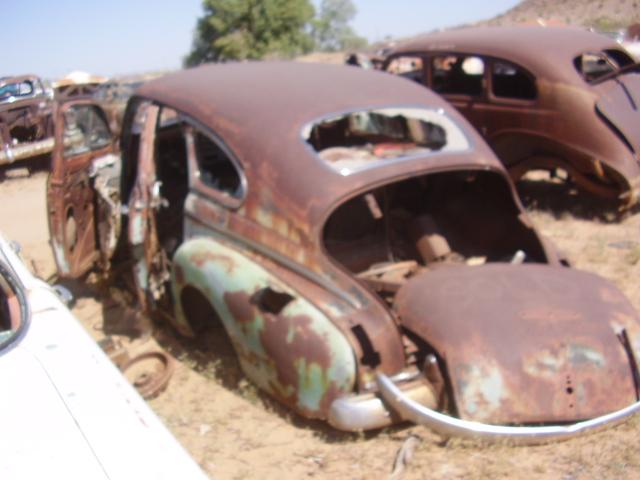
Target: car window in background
<point x="457" y="74"/>
<point x="593" y="65"/>
<point x="410" y="67"/>
<point x="21" y="89"/>
<point x="510" y="81"/>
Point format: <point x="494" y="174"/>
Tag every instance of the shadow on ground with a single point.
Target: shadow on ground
<point x="562" y="198"/>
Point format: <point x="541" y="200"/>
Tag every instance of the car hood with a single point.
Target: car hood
<point x="526" y="343"/>
<point x="619" y="103"/>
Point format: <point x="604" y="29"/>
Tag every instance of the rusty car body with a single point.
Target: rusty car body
<point x="25" y="109"/>
<point x="357" y="240"/>
<point x="548" y="98"/>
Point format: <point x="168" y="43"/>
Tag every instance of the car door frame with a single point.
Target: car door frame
<point x="71" y="198"/>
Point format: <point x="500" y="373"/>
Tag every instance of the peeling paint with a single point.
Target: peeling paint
<point x="482" y="389"/>
<point x="297" y="355"/>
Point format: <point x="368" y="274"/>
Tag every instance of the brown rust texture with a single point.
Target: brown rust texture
<point x="286" y="340"/>
<point x="371" y="314"/>
<point x="527" y="344"/>
<point x="291" y="347"/>
<point x="239" y="304"/>
<point x="202" y="257"/>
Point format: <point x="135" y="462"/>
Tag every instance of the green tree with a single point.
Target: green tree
<point x="251" y="29"/>
<point x="330" y="29"/>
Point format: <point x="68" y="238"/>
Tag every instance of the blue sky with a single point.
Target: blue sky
<point x="116" y="37"/>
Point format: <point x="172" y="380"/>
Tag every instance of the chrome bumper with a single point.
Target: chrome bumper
<point x="368" y="411"/>
<point x="445" y="425"/>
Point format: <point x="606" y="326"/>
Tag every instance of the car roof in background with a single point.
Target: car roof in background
<point x="544" y="50"/>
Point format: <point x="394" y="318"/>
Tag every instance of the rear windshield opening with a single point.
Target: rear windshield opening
<point x="362" y="139"/>
<point x="467" y="217"/>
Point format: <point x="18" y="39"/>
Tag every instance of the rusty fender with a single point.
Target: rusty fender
<point x="448" y="426"/>
<point x="285" y="345"/>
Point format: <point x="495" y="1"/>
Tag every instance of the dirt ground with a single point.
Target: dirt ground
<point x="233" y="431"/>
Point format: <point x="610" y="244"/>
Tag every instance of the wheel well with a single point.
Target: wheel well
<point x="198" y="310"/>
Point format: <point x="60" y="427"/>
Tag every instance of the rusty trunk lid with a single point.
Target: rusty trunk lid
<point x="527" y="343"/>
<point x="619" y="103"/>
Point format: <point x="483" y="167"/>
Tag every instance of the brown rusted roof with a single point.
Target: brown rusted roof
<point x="543" y="50"/>
<point x="260" y="108"/>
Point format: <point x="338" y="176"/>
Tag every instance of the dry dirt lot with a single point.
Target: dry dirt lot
<point x="235" y="432"/>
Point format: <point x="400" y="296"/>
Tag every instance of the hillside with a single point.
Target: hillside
<point x="604" y="15"/>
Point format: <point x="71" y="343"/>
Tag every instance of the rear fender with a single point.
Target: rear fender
<point x="285" y="345"/>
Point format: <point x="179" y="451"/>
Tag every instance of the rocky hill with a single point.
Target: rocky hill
<point x="604" y="15"/>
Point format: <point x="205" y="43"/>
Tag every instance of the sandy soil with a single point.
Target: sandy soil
<point x="233" y="431"/>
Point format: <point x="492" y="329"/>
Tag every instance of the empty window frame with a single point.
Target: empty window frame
<point x="593" y="65"/>
<point x="410" y="67"/>
<point x="85" y="129"/>
<point x="511" y="81"/>
<point x="215" y="167"/>
<point x="457" y="74"/>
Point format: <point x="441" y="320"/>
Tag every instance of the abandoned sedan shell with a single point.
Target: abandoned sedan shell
<point x="328" y="230"/>
<point x="544" y="98"/>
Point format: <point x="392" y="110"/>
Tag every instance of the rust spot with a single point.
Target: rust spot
<point x="202" y="257"/>
<point x="239" y="304"/>
<point x="287" y="339"/>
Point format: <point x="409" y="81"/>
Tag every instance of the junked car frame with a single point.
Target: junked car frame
<point x="26" y="107"/>
<point x="545" y="98"/>
<point x="356" y="243"/>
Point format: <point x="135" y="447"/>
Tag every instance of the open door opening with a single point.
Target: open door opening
<point x="156" y="203"/>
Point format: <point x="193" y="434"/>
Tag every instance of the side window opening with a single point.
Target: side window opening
<point x="510" y="81"/>
<point x="457" y="74"/>
<point x="410" y="67"/>
<point x="85" y="129"/>
<point x="26" y="88"/>
<point x="594" y="65"/>
<point x="621" y="58"/>
<point x="16" y="89"/>
<point x="215" y="168"/>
